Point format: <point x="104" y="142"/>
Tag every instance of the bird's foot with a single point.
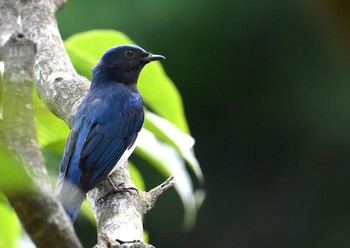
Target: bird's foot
<point x="120" y="188"/>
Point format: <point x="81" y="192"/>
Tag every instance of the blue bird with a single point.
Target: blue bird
<point x="106" y="125"/>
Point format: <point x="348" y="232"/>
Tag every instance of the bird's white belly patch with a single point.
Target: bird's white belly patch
<point x="124" y="157"/>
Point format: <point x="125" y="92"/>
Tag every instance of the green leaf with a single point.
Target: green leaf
<point x="1" y="88"/>
<point x="136" y="176"/>
<point x="183" y="143"/>
<point x="9" y="232"/>
<point x="168" y="132"/>
<point x="167" y="161"/>
<point x="87" y="212"/>
<point x="50" y="128"/>
<point x="16" y="179"/>
<point x="158" y="91"/>
<point x="145" y="236"/>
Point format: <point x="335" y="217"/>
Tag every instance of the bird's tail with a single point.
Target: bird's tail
<point x="70" y="197"/>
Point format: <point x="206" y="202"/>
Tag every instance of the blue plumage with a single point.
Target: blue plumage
<point x="105" y="127"/>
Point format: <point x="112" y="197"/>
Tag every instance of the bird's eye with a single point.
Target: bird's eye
<point x="129" y="53"/>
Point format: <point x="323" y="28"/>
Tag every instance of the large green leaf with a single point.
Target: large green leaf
<point x="166" y="159"/>
<point x="168" y="132"/>
<point x="50" y="128"/>
<point x="158" y="91"/>
<point x="10" y="228"/>
<point x="17" y="178"/>
<point x="14" y="180"/>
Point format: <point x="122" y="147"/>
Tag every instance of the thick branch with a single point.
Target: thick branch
<point x="18" y="124"/>
<point x="56" y="80"/>
<point x="41" y="215"/>
<point x="8" y="20"/>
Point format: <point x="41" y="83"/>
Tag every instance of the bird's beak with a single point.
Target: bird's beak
<point x="152" y="57"/>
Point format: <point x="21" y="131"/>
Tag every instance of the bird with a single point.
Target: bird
<point x="106" y="125"/>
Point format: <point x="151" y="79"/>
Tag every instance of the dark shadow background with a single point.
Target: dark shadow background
<point x="266" y="87"/>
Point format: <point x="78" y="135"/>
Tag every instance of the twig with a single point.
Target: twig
<point x="153" y="194"/>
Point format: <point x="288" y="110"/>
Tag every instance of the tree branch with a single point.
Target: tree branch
<point x="8" y="20"/>
<point x="56" y="80"/>
<point x="119" y="216"/>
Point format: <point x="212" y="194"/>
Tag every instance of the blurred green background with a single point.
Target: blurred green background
<point x="266" y="87"/>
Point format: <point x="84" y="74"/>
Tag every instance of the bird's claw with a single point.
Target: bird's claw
<point x="119" y="189"/>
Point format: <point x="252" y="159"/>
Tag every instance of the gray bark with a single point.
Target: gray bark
<point x="56" y="80"/>
<point x="119" y="216"/>
<point x="62" y="89"/>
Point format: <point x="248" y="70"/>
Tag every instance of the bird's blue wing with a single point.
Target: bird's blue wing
<point x="69" y="148"/>
<point x="66" y="189"/>
<point x="106" y="141"/>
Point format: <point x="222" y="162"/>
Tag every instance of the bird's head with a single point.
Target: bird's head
<point x="123" y="64"/>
